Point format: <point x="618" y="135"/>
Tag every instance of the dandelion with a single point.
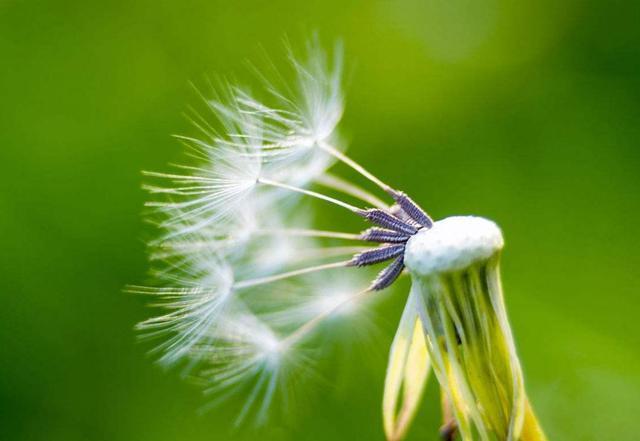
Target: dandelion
<point x="241" y="269"/>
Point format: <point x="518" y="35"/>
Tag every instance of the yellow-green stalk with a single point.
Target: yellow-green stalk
<point x="456" y="297"/>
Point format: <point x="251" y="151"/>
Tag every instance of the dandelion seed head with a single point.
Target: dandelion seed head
<point x="245" y="279"/>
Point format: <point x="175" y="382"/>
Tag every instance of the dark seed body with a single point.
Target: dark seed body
<point x="377" y="255"/>
<point x="412" y="209"/>
<point x="396" y="227"/>
<point x="384" y="236"/>
<point x="388" y="275"/>
<point x="387" y="220"/>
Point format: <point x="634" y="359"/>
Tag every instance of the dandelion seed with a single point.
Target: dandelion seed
<point x="242" y="270"/>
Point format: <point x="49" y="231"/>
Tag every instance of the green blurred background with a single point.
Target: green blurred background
<point x="524" y="112"/>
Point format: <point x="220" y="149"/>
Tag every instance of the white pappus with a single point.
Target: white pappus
<point x="237" y="237"/>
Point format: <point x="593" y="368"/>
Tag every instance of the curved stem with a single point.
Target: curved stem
<point x="303" y="232"/>
<point x="269" y="279"/>
<point x="314" y="194"/>
<point x="353" y="164"/>
<point x="308" y="327"/>
<point x="331" y="181"/>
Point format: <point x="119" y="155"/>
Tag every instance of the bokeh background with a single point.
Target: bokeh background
<point x="524" y="112"/>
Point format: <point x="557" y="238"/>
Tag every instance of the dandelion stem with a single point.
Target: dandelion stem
<point x="308" y="327"/>
<point x="353" y="164"/>
<point x="449" y="426"/>
<point x="319" y="253"/>
<point x="264" y="280"/>
<point x="314" y="194"/>
<point x="332" y="181"/>
<point x="302" y="232"/>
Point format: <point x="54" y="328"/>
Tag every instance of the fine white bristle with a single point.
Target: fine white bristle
<point x="192" y="312"/>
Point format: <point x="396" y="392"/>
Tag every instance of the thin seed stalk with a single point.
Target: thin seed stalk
<point x="473" y="352"/>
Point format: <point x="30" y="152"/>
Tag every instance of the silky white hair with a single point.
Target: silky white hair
<point x="237" y="263"/>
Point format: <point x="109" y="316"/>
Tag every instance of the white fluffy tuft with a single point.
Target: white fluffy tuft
<point x="231" y="217"/>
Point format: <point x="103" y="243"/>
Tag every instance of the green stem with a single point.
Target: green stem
<point x="531" y="430"/>
<point x="473" y="353"/>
